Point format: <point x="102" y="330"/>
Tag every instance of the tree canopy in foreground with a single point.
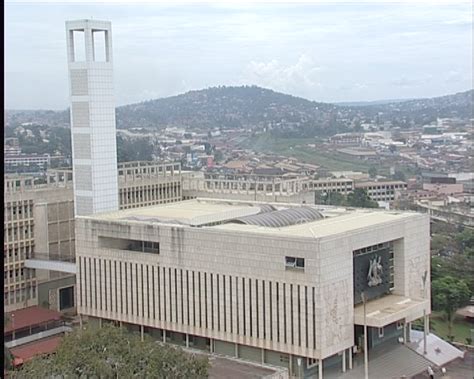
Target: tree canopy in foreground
<point x="112" y="352"/>
<point x="449" y="294"/>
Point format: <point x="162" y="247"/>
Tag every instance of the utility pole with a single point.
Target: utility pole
<point x="425" y="275"/>
<point x="366" y="353"/>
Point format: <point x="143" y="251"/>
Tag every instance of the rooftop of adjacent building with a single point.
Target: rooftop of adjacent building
<point x="257" y="217"/>
<point x="29" y="317"/>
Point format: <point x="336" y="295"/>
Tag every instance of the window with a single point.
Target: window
<point x="66" y="298"/>
<point x="129" y="244"/>
<point x="311" y="362"/>
<point x="293" y="262"/>
<point x="381" y="332"/>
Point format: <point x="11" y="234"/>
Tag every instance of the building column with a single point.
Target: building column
<point x="263" y="356"/>
<point x="404" y="332"/>
<point x="141" y="332"/>
<point x="211" y="345"/>
<point x="291" y="365"/>
<point x="187" y="340"/>
<point x="164" y="336"/>
<point x="408" y="332"/>
<point x="236" y="350"/>
<point x="426" y="330"/>
<point x="344" y="360"/>
<point x="350" y="358"/>
<point x="320" y="369"/>
<point x="100" y="322"/>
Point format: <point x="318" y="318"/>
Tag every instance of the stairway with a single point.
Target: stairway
<point x="392" y="360"/>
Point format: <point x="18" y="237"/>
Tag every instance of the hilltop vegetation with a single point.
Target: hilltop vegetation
<point x="260" y="108"/>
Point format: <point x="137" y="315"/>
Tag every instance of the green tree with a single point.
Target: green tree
<point x="331" y="198"/>
<point x="440" y="242"/>
<point x="113" y="352"/>
<point x="399" y="175"/>
<point x="372" y="172"/>
<point x="449" y="294"/>
<point x="359" y="198"/>
<point x="466" y="240"/>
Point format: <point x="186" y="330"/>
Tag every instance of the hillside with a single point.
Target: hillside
<point x="226" y="107"/>
<point x="257" y="108"/>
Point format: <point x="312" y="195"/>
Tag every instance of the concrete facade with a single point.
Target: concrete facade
<point x="383" y="191"/>
<point x="39" y="223"/>
<point x="93" y="134"/>
<point x="206" y="275"/>
<point x="26" y="227"/>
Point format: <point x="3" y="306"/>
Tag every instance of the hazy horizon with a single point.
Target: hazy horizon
<point x="203" y="89"/>
<point x="323" y="52"/>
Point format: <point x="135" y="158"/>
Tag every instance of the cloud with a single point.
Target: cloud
<point x="301" y="78"/>
<point x="405" y="82"/>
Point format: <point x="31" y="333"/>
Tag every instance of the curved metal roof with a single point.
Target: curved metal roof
<point x="279" y="218"/>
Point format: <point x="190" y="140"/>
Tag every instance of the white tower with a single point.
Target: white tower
<point x="94" y="150"/>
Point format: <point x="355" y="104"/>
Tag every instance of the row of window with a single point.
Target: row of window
<point x="129" y="244"/>
<point x="20" y="295"/>
<point x="276" y="311"/>
<point x="294" y="262"/>
<point x="156" y="192"/>
<point x="18" y="233"/>
<point x="20" y="209"/>
<point x="18" y="252"/>
<point x="373" y="248"/>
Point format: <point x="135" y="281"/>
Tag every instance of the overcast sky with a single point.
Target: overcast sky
<point x="325" y="52"/>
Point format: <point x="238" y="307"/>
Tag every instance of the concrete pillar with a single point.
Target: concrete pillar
<point x="344" y="360"/>
<point x="408" y="332"/>
<point x="100" y="322"/>
<point x="187" y="340"/>
<point x="320" y="369"/>
<point x="404" y="332"/>
<point x="350" y="358"/>
<point x="211" y="345"/>
<point x="141" y="332"/>
<point x="291" y="365"/>
<point x="263" y="356"/>
<point x="164" y="336"/>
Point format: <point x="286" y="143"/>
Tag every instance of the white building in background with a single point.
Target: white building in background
<point x="274" y="283"/>
<point x="93" y="135"/>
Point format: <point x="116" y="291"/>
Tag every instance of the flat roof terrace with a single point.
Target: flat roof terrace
<point x="229" y="215"/>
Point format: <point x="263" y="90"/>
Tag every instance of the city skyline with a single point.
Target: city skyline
<point x="308" y="50"/>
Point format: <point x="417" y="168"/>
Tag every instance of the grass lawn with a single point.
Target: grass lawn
<point x="461" y="328"/>
<point x="297" y="148"/>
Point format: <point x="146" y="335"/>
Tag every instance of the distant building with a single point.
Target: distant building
<point x="341" y="185"/>
<point x="444" y="189"/>
<point x="346" y="139"/>
<point x="355" y="175"/>
<point x="18" y="159"/>
<point x="383" y="191"/>
<point x="362" y="154"/>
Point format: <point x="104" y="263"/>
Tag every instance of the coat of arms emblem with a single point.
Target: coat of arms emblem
<point x="374" y="277"/>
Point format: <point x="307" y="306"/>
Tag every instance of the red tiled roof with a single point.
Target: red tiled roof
<point x="30" y="350"/>
<point x="30" y="316"/>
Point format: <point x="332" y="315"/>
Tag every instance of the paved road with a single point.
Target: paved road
<point x="230" y="369"/>
<point x="458" y="369"/>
